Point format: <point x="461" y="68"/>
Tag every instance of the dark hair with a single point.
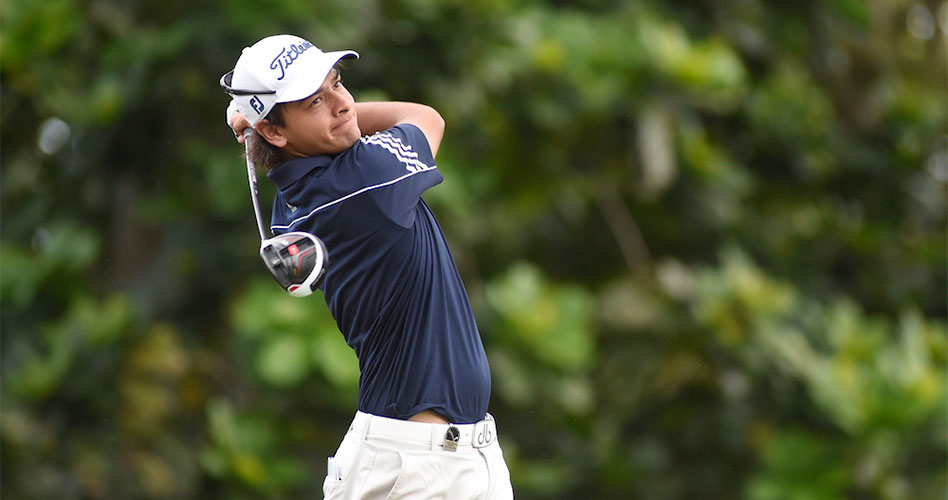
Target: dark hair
<point x="262" y="153"/>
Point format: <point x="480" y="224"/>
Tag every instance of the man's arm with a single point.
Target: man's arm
<point x="374" y="117"/>
<point x="377" y="116"/>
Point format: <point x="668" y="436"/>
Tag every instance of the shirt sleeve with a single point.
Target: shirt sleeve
<point x="398" y="167"/>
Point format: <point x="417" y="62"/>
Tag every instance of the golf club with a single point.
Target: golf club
<point x="296" y="260"/>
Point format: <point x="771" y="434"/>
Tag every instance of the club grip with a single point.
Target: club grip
<point x="252" y="180"/>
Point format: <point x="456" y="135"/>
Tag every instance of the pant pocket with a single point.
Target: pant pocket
<point x="437" y="475"/>
<point x="381" y="476"/>
<point x="342" y="469"/>
<point x="409" y="481"/>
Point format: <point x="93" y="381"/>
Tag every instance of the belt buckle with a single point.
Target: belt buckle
<point x="451" y="438"/>
<point x="485" y="433"/>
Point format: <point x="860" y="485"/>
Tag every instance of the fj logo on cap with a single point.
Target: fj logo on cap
<point x="256" y="105"/>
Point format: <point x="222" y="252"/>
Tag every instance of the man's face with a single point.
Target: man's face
<point x="323" y="123"/>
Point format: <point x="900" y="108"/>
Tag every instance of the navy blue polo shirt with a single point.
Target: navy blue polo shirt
<point x="392" y="284"/>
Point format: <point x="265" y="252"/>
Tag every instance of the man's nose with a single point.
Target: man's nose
<point x="340" y="104"/>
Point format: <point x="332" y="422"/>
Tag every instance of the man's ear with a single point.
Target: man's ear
<point x="272" y="133"/>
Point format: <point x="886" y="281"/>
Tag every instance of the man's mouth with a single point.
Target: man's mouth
<point x="344" y="122"/>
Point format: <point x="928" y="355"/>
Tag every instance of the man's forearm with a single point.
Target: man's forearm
<point x="377" y="116"/>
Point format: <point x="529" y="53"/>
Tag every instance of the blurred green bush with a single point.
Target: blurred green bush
<point x="705" y="242"/>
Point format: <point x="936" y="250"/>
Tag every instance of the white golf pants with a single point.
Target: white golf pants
<point x="384" y="458"/>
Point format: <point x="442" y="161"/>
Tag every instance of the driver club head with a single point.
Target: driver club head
<point x="296" y="260"/>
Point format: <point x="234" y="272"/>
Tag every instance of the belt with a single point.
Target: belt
<point x="441" y="437"/>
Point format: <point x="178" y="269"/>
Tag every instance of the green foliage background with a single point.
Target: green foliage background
<point x="705" y="243"/>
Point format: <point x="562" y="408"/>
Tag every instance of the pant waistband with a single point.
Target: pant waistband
<point x="425" y="435"/>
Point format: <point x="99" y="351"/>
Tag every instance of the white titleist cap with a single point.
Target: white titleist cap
<point x="279" y="68"/>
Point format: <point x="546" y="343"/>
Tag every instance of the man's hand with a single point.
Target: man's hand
<point x="236" y="121"/>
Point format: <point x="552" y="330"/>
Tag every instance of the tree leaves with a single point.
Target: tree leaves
<point x="705" y="243"/>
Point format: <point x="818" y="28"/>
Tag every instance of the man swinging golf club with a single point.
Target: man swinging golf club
<point x="352" y="174"/>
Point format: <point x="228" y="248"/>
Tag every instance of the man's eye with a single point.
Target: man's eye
<point x="316" y="101"/>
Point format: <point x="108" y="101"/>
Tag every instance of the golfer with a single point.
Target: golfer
<point x="353" y="174"/>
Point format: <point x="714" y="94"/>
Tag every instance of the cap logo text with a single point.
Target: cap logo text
<point x="289" y="54"/>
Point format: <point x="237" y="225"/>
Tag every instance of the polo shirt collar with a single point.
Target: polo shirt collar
<point x="288" y="173"/>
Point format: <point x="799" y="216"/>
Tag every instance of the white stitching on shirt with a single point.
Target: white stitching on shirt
<point x="402" y="152"/>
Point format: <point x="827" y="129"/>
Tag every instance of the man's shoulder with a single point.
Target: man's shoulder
<point x="397" y="146"/>
<point x="405" y="136"/>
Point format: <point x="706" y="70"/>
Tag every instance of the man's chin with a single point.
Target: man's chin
<point x="342" y="145"/>
<point x="344" y="139"/>
<point x="351" y="137"/>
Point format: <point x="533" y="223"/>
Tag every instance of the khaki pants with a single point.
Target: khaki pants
<point x="383" y="458"/>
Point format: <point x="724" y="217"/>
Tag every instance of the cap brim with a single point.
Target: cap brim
<point x="305" y="87"/>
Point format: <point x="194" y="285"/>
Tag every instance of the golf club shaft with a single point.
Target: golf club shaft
<point x="252" y="178"/>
